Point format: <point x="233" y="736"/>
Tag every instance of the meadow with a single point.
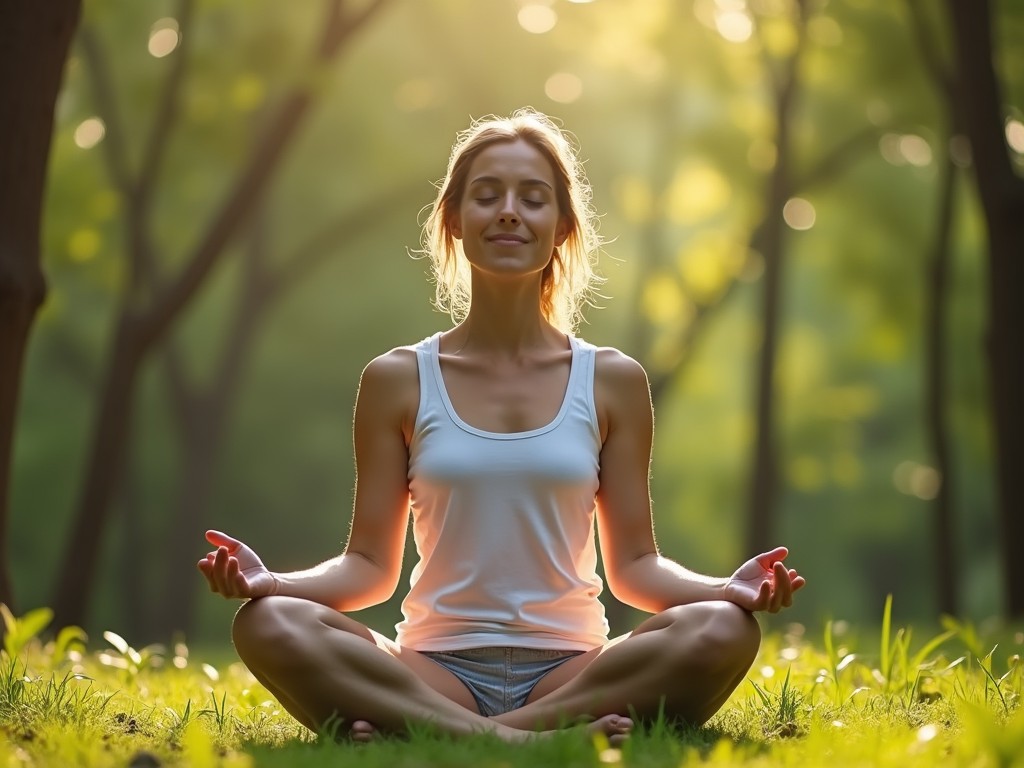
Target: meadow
<point x="815" y="697"/>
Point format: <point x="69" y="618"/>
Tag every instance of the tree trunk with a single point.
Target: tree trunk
<point x="937" y="299"/>
<point x="1002" y="198"/>
<point x="34" y="42"/>
<point x="762" y="501"/>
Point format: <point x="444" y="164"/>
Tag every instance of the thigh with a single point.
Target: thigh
<point x="319" y="627"/>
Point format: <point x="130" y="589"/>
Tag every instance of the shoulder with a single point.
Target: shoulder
<point x="622" y="395"/>
<point x="394" y="368"/>
<point x="391" y="381"/>
<point x="614" y="370"/>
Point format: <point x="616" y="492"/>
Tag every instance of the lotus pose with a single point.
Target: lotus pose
<point x="509" y="440"/>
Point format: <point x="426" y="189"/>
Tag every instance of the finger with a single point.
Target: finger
<point x="220" y="568"/>
<point x="783" y="586"/>
<point x="219" y="539"/>
<point x="764" y="596"/>
<point x="797" y="580"/>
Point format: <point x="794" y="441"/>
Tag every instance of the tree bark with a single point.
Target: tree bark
<point x="1002" y="198"/>
<point x="34" y="42"/>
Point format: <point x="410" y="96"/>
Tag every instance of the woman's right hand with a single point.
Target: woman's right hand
<point x="235" y="570"/>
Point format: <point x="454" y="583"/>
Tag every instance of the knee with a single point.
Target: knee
<point x="266" y="623"/>
<point x="726" y="636"/>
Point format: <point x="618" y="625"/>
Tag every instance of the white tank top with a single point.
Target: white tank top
<point x="504" y="523"/>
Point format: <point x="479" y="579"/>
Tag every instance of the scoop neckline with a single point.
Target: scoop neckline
<point x="435" y="362"/>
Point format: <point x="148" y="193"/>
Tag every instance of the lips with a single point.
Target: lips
<point x="507" y="238"/>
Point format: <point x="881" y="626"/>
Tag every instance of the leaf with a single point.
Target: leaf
<point x="117" y="641"/>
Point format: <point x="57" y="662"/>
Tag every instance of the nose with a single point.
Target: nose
<point x="508" y="213"/>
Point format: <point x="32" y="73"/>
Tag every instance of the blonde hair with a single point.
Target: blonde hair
<point x="569" y="279"/>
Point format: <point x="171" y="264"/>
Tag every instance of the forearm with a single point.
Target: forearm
<point x="653" y="583"/>
<point x="349" y="582"/>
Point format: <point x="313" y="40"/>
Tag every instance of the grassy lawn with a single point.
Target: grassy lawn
<point x="813" y="698"/>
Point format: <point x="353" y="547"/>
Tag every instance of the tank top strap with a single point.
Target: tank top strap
<point x="583" y="384"/>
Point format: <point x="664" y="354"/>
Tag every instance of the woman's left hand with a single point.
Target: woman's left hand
<point x="764" y="583"/>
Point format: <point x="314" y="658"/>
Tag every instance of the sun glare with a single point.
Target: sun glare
<point x="563" y="87"/>
<point x="164" y="37"/>
<point x="537" y="19"/>
<point x="798" y="213"/>
<point x="90" y="132"/>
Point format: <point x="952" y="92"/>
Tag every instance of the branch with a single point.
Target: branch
<point x="839" y="156"/>
<point x="167" y="111"/>
<point x="250" y="183"/>
<point x="317" y="249"/>
<point x="929" y="50"/>
<point x="114" y="146"/>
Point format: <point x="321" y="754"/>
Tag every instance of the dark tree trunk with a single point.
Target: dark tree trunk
<point x="34" y="42"/>
<point x="936" y="398"/>
<point x="1002" y="198"/>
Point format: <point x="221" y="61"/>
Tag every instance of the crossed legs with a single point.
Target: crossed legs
<point x="320" y="665"/>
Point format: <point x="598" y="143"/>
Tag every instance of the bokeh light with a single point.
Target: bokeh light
<point x="1015" y="135"/>
<point x="915" y="479"/>
<point x="734" y="26"/>
<point x="563" y="87"/>
<point x="537" y="19"/>
<point x="798" y="213"/>
<point x="90" y="132"/>
<point x="164" y="37"/>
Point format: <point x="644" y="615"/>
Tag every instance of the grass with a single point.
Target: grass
<point x="831" y="699"/>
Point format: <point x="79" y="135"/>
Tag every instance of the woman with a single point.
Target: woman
<point x="507" y="438"/>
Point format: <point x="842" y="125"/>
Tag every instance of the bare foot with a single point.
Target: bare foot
<point x="362" y="732"/>
<point x="615" y="727"/>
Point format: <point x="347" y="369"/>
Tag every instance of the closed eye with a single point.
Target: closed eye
<point x="533" y="203"/>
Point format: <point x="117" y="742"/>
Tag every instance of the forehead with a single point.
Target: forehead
<point x="512" y="161"/>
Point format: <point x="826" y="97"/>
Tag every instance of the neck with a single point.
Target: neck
<point x="505" y="319"/>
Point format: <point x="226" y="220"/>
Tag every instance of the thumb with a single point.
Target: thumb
<point x="219" y="539"/>
<point x="768" y="559"/>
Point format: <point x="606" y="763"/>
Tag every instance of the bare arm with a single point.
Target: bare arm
<point x="637" y="573"/>
<point x="367" y="572"/>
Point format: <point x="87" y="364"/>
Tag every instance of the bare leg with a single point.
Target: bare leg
<point x="323" y="665"/>
<point x="685" y="661"/>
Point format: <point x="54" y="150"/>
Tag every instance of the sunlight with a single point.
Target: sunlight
<point x="798" y="213"/>
<point x="734" y="26"/>
<point x="537" y="19"/>
<point x="1015" y="135"/>
<point x="90" y="132"/>
<point x="563" y="87"/>
<point x="164" y="37"/>
<point x="915" y="150"/>
<point x="698" y="191"/>
<point x="635" y="199"/>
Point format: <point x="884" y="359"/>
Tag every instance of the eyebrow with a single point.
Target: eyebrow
<point x="523" y="183"/>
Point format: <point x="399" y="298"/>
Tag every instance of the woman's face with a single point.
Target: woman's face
<point x="508" y="219"/>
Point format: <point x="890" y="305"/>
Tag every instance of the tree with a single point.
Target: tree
<point x="34" y="43"/>
<point x="1001" y="192"/>
<point x="144" y="317"/>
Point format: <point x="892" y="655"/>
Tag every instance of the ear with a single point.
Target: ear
<point x="562" y="231"/>
<point x="455" y="226"/>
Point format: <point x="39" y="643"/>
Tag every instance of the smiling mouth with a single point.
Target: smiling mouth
<point x="507" y="240"/>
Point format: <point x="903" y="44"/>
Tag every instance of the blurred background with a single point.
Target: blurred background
<point x="796" y="251"/>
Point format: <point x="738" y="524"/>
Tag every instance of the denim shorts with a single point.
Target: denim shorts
<point x="500" y="678"/>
